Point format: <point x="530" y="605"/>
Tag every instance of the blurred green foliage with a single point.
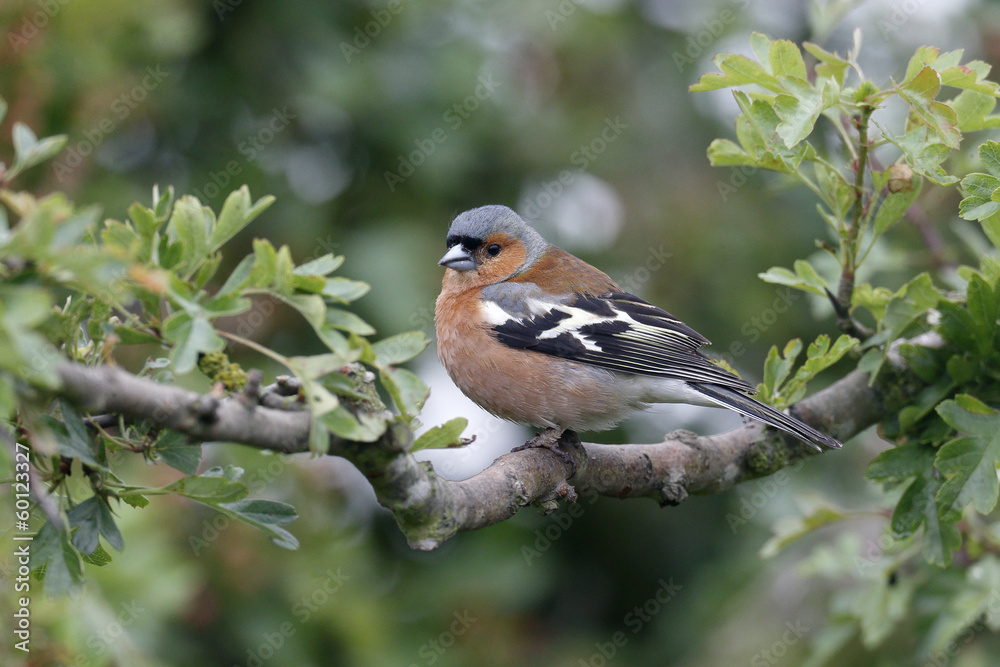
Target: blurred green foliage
<point x="373" y="127"/>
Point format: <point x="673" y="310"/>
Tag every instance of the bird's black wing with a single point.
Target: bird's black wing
<point x="618" y="331"/>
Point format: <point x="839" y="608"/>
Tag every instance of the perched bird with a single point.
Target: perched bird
<point x="537" y="336"/>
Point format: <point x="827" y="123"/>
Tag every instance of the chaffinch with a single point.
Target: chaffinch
<point x="535" y="335"/>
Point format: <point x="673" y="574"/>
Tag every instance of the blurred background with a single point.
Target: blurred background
<point x="374" y="124"/>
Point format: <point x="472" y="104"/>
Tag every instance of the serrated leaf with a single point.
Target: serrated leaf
<point x="176" y="451"/>
<point x="969" y="464"/>
<point x="797" y="110"/>
<point x="917" y="506"/>
<point x="99" y="557"/>
<point x="134" y="499"/>
<point x="923" y="152"/>
<point x="72" y="437"/>
<point x="54" y="554"/>
<point x="448" y="434"/>
<point x="190" y="337"/>
<point x="265" y="515"/>
<point x="899" y="463"/>
<point x="736" y="70"/>
<point x="92" y="518"/>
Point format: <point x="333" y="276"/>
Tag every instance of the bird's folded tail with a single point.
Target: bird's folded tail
<point x="751" y="407"/>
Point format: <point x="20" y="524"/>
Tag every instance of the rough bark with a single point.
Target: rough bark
<point x="430" y="509"/>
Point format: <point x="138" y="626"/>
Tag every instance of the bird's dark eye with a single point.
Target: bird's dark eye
<point x="493" y="249"/>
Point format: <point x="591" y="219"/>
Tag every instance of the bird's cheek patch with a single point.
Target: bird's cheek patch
<point x="512" y="256"/>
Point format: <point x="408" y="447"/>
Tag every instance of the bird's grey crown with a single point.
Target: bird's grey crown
<point x="480" y="223"/>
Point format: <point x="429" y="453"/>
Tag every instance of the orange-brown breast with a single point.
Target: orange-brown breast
<point x="520" y="385"/>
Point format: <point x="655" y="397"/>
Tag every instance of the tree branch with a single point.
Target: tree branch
<point x="430" y="509"/>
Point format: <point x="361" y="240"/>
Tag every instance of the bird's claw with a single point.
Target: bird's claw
<point x="550" y="439"/>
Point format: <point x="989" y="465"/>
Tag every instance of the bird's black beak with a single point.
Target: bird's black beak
<point x="458" y="258"/>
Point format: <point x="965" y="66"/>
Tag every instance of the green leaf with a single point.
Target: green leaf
<point x="917" y="507"/>
<point x="176" y="451"/>
<point x="190" y="226"/>
<point x="894" y="206"/>
<point x="899" y="463"/>
<point x="361" y="427"/>
<point x="344" y="290"/>
<point x="804" y="278"/>
<point x="265" y="515"/>
<point x="321" y="266"/>
<point x="91" y="518"/>
<point x="190" y="337"/>
<point x="736" y="70"/>
<point x="874" y="299"/>
<point x="54" y="555"/>
<point x="73" y="439"/>
<point x="978" y="203"/>
<point x="29" y="151"/>
<point x="448" y="434"/>
<point x="208" y="489"/>
<point x="882" y="605"/>
<point x="99" y="557"/>
<point x="223" y="305"/>
<point x="144" y="220"/>
<point x="237" y="212"/>
<point x="973" y="111"/>
<point x="348" y="321"/>
<point x="239" y="278"/>
<point x="923" y="152"/>
<point x="311" y="284"/>
<point x="130" y="336"/>
<point x="265" y="263"/>
<point x="830" y="64"/>
<point x="284" y="271"/>
<point x="786" y="59"/>
<point x="134" y="499"/>
<point x="969" y="464"/>
<point x="973" y="605"/>
<point x="399" y="348"/>
<point x="798" y="110"/>
<point x="408" y="391"/>
<point x="789" y="530"/>
<point x="310" y="306"/>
